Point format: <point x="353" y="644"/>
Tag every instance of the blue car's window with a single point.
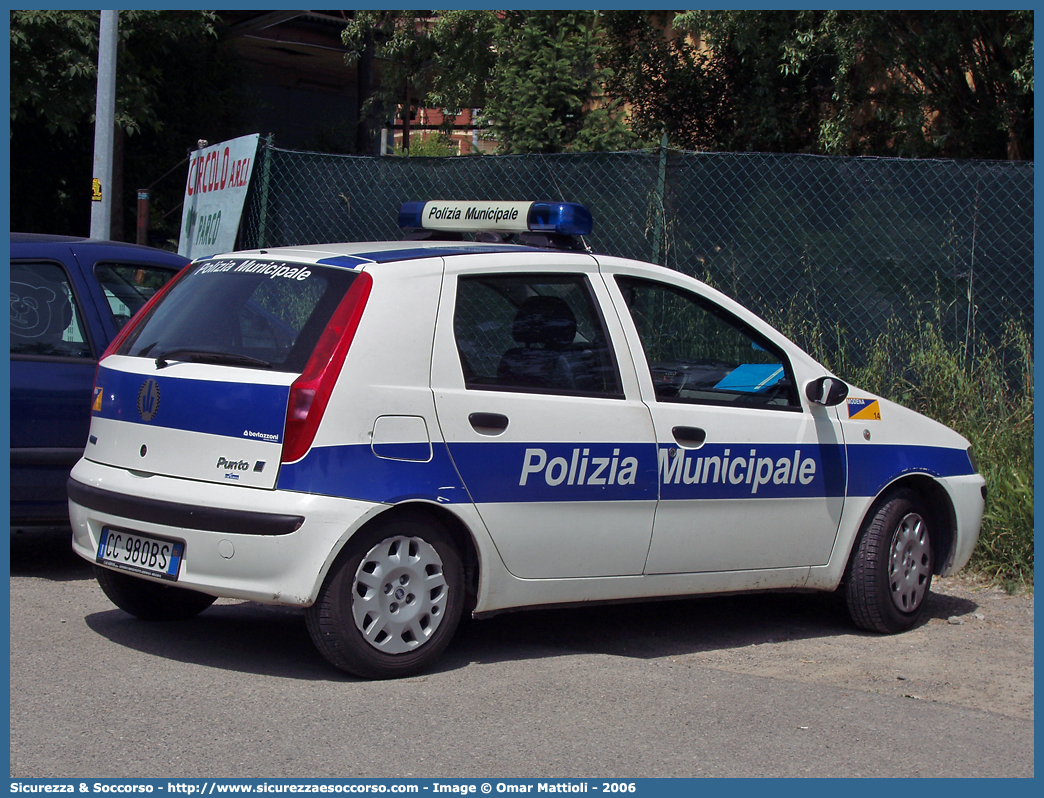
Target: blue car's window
<point x="45" y="319"/>
<point x="699" y="353"/>
<point x="128" y="287"/>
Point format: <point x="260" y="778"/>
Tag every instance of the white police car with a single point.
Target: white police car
<point x="391" y="434"/>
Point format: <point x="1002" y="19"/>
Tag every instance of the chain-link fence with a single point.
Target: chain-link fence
<point x="849" y="243"/>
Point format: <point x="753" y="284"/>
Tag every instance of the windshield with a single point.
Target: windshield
<point x="243" y="312"/>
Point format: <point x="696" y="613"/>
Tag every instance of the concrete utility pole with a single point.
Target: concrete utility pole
<point x="104" y="122"/>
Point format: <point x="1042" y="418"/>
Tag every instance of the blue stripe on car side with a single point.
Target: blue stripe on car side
<point x="419" y="452"/>
<point x="355" y="472"/>
<point x="548" y="472"/>
<point x="872" y="466"/>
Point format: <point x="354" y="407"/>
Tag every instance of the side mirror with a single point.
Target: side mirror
<point x="826" y="391"/>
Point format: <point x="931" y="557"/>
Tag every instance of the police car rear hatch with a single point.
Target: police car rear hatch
<point x="200" y="383"/>
<point x="190" y="420"/>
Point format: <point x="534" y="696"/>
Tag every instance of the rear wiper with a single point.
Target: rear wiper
<point x="202" y="356"/>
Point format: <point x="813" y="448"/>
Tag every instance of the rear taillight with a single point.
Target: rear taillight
<point x="311" y="391"/>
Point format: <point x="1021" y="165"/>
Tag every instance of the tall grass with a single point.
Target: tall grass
<point x="986" y="396"/>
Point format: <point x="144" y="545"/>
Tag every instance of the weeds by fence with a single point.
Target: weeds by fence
<point x="987" y="397"/>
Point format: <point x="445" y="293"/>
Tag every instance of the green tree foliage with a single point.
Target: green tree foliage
<point x="547" y="90"/>
<point x="955" y="84"/>
<point x="54" y="60"/>
<point x="175" y="83"/>
<point x="712" y="80"/>
<point x="422" y="60"/>
<point x="669" y="84"/>
<point x="536" y="75"/>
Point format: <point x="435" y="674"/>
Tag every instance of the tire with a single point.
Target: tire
<point x="392" y="601"/>
<point x="150" y="601"/>
<point x="890" y="573"/>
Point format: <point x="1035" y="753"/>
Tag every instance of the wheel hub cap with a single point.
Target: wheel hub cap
<point x="399" y="595"/>
<point x="910" y="563"/>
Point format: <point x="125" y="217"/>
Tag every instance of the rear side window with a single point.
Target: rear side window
<point x="127" y="287"/>
<point x="533" y="333"/>
<point x="45" y="318"/>
<point x="245" y="312"/>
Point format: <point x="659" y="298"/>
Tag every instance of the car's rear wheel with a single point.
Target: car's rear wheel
<point x="890" y="573"/>
<point x="148" y="600"/>
<point x="392" y="601"/>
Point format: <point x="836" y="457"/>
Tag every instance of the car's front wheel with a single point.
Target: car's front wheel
<point x="890" y="572"/>
<point x="148" y="600"/>
<point x="392" y="601"/>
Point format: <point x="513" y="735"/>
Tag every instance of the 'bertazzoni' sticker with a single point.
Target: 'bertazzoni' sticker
<point x="265" y="436"/>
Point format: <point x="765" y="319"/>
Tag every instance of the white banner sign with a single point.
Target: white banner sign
<point x="215" y="191"/>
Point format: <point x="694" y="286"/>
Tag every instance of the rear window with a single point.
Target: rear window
<point x="244" y="312"/>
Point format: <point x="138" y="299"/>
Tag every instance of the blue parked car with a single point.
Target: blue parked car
<point x="69" y="298"/>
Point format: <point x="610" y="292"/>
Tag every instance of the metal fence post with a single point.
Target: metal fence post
<point x="661" y="219"/>
<point x="266" y="172"/>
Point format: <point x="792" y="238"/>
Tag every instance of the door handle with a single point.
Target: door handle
<point x="488" y="423"/>
<point x="689" y="437"/>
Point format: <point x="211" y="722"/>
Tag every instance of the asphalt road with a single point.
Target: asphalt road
<point x="595" y="692"/>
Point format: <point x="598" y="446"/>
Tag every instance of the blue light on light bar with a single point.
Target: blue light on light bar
<point x="565" y="218"/>
<point x="410" y="215"/>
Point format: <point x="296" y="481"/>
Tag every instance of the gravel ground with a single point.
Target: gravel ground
<point x="974" y="650"/>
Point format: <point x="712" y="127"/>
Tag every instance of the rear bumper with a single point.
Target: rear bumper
<point x="278" y="551"/>
<point x="207" y="519"/>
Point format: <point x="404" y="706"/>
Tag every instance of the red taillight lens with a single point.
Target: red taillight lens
<point x="141" y="315"/>
<point x="311" y="391"/>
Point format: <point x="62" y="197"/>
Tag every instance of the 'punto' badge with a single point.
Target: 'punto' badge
<point x="148" y="400"/>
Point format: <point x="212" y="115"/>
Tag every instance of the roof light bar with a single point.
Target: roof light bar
<point x="565" y="218"/>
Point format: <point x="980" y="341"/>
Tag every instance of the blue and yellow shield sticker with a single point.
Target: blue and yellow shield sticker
<point x="864" y="409"/>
